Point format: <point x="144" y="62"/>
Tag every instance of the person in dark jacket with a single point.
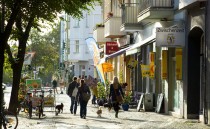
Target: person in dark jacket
<point x="54" y="84"/>
<point x="83" y="103"/>
<point x="115" y="90"/>
<point x="73" y="94"/>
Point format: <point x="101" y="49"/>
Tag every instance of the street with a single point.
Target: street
<point x="127" y="119"/>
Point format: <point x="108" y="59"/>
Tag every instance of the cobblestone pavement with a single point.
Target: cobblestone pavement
<point x="127" y="119"/>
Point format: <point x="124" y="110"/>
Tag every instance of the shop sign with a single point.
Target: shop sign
<point x="170" y="37"/>
<point x="111" y="47"/>
<point x="107" y="67"/>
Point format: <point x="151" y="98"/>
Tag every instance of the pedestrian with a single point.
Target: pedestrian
<point x="83" y="91"/>
<point x="115" y="92"/>
<point x="78" y="79"/>
<point x="54" y="83"/>
<point x="73" y="94"/>
<point x="61" y="85"/>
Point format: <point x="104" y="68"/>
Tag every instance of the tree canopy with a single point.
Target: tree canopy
<point x="18" y="18"/>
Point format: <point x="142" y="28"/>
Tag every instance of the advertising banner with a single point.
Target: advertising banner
<point x="32" y="84"/>
<point x="170" y="37"/>
<point x="145" y="70"/>
<point x="132" y="63"/>
<point x="107" y="67"/>
<point x="164" y="64"/>
<point x="179" y="64"/>
<point x="28" y="58"/>
<point x="111" y="47"/>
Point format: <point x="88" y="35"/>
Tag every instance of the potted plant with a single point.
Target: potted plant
<point x="126" y="101"/>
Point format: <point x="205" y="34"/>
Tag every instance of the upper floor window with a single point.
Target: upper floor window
<point x="77" y="46"/>
<point x="76" y="23"/>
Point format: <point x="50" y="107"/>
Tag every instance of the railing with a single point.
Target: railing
<point x="144" y="4"/>
<point x="130" y="12"/>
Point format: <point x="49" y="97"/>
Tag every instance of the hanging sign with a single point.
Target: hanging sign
<point x="107" y="67"/>
<point x="170" y="37"/>
<point x="132" y="63"/>
<point x="111" y="47"/>
<point x="145" y="70"/>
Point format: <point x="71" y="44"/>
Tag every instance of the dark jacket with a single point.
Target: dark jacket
<point x="71" y="87"/>
<point x="84" y="89"/>
<point x="114" y="92"/>
<point x="54" y="83"/>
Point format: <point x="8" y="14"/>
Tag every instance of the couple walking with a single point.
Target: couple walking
<point x="76" y="91"/>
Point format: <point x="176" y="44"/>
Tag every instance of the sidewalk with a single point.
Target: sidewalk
<point x="127" y="119"/>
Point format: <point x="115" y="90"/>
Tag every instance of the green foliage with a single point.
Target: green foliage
<point x="107" y="87"/>
<point x="127" y="97"/>
<point x="121" y="77"/>
<point x="101" y="90"/>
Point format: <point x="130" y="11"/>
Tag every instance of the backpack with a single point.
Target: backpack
<point x="75" y="91"/>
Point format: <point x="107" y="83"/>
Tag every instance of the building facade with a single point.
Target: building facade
<point x="169" y="36"/>
<point x="75" y="54"/>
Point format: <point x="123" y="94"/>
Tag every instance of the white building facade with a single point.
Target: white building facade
<point x="75" y="55"/>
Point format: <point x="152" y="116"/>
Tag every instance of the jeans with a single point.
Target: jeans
<point x="83" y="108"/>
<point x="73" y="107"/>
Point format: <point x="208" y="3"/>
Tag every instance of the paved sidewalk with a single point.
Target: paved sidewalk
<point x="127" y="119"/>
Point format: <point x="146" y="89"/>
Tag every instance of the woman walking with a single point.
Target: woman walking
<point x="83" y="90"/>
<point x="116" y="95"/>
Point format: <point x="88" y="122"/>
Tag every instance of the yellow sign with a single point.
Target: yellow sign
<point x="107" y="67"/>
<point x="145" y="70"/>
<point x="152" y="70"/>
<point x="152" y="56"/>
<point x="164" y="64"/>
<point x="132" y="63"/>
<point x="179" y="64"/>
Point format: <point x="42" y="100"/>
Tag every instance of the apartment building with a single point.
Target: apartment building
<point x="75" y="55"/>
<point x="168" y="35"/>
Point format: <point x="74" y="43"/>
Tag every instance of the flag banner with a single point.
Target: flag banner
<point x="145" y="70"/>
<point x="100" y="71"/>
<point x="93" y="49"/>
<point x="132" y="63"/>
<point x="179" y="64"/>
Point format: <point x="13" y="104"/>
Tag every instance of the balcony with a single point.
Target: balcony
<point x="112" y="28"/>
<point x="98" y="35"/>
<point x="191" y="3"/>
<point x="129" y="17"/>
<point x="155" y="10"/>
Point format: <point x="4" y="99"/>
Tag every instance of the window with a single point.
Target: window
<point x="76" y="23"/>
<point x="77" y="46"/>
<point x="86" y="20"/>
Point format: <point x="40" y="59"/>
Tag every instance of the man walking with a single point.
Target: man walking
<point x="73" y="94"/>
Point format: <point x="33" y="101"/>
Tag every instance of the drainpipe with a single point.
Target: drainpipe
<point x="207" y="85"/>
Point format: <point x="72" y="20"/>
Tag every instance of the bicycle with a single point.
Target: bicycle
<point x="9" y="119"/>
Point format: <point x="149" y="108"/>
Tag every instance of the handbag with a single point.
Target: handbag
<point x="85" y="96"/>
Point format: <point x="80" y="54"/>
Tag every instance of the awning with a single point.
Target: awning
<point x="118" y="52"/>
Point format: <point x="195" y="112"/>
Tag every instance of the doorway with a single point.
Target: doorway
<point x="195" y="63"/>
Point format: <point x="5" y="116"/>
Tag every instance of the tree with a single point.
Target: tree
<point x="20" y="17"/>
<point x="47" y="51"/>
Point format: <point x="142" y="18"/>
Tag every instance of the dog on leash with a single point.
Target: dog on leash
<point x="99" y="112"/>
<point x="59" y="108"/>
<point x="108" y="105"/>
